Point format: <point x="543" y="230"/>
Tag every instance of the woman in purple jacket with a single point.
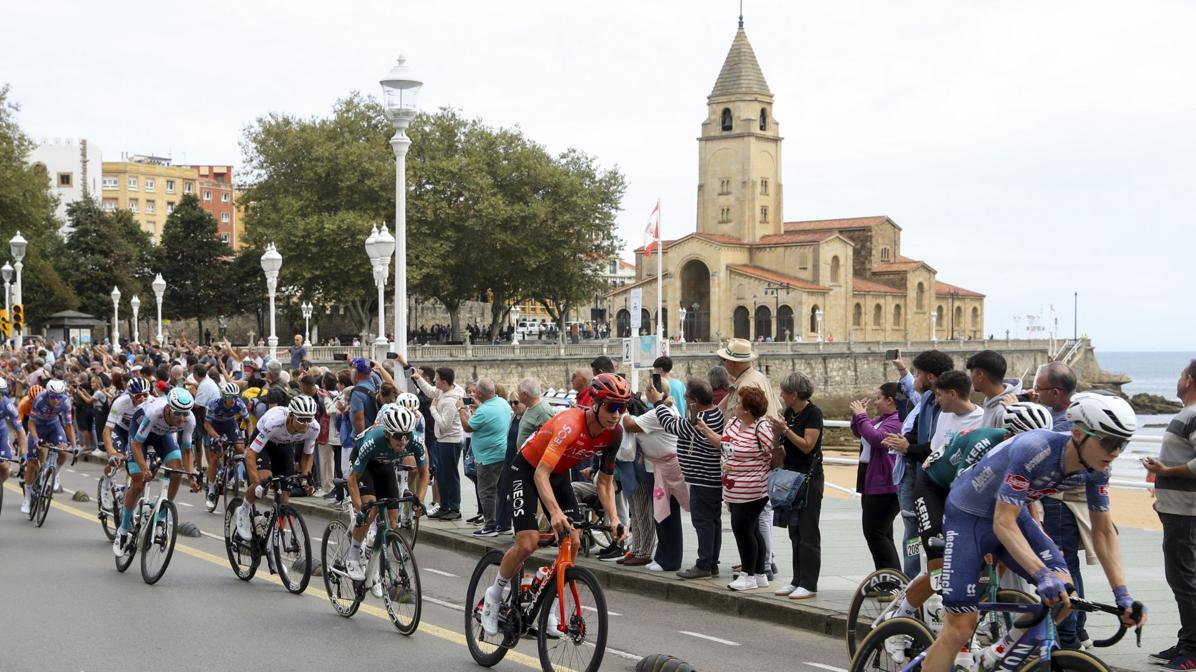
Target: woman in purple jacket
<point x="874" y="478"/>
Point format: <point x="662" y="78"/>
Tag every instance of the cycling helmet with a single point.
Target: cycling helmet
<point x="3" y="385"/>
<point x="1025" y="416"/>
<point x="397" y="420"/>
<point x="408" y="401"/>
<point x="179" y="400"/>
<point x="609" y="387"/>
<point x="230" y="389"/>
<point x="35" y="391"/>
<point x="136" y="387"/>
<point x="303" y="407"/>
<point x="56" y="387"/>
<point x="1103" y="414"/>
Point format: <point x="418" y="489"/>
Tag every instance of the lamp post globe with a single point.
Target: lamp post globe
<point x="682" y="313"/>
<point x="271" y="263"/>
<point x="400" y="96"/>
<point x="515" y="312"/>
<point x="6" y="270"/>
<point x="159" y="287"/>
<point x="818" y="319"/>
<point x="115" y="317"/>
<point x="17" y="245"/>
<point x="379" y="247"/>
<point x="135" y="302"/>
<point x="307" y="310"/>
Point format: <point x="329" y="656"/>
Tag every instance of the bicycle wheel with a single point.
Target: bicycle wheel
<point x="874" y="595"/>
<point x="486" y="650"/>
<point x="243" y="555"/>
<point x="110" y="517"/>
<point x="582" y="634"/>
<point x="891" y="646"/>
<point x="344" y="594"/>
<point x="292" y="554"/>
<point x="408" y="523"/>
<point x="400" y="585"/>
<point x="160" y="533"/>
<point x="124" y="561"/>
<point x="46" y="486"/>
<point x="1064" y="659"/>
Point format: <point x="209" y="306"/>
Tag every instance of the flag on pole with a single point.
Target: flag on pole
<point x="652" y="233"/>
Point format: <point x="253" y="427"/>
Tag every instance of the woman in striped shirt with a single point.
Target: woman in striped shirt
<point x="746" y="446"/>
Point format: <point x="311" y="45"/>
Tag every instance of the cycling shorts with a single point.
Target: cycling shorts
<point x="227" y="430"/>
<point x="525" y="498"/>
<point x="51" y="432"/>
<point x="163" y="445"/>
<point x="5" y="446"/>
<point x="120" y="440"/>
<point x="930" y="501"/>
<point x="277" y="458"/>
<point x="968" y="539"/>
<point x="378" y="480"/>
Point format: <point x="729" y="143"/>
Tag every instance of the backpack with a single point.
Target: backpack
<point x="370" y="407"/>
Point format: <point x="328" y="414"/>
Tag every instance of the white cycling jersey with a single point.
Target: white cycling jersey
<point x="121" y="412"/>
<point x="272" y="428"/>
<point x="154" y="422"/>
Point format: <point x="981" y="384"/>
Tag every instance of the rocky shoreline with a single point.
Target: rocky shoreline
<point x="1153" y="404"/>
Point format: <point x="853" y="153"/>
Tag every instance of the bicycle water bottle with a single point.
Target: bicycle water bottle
<point x="963" y="660"/>
<point x="526" y="583"/>
<point x="370" y="535"/>
<point x="934" y="612"/>
<point x="541" y="576"/>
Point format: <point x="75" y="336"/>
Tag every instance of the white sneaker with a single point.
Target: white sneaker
<point x="785" y="590"/>
<point x="654" y="567"/>
<point x="25" y="506"/>
<point x="743" y="582"/>
<point x="57" y="484"/>
<point x="355" y="569"/>
<point x="802" y="594"/>
<point x="433" y="509"/>
<point x="761" y="580"/>
<point x="118" y="546"/>
<point x="490" y="606"/>
<point x="244" y="524"/>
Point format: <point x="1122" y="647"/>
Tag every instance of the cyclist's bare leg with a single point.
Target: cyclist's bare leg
<point x="957" y="630"/>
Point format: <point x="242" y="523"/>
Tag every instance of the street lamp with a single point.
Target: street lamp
<point x="775" y="290"/>
<point x="515" y="312"/>
<point x="307" y="309"/>
<point x="681" y="312"/>
<point x="159" y="286"/>
<point x="400" y="93"/>
<point x="934" y="327"/>
<point x="818" y="320"/>
<point x="271" y="262"/>
<point x="379" y="246"/>
<point x="115" y="315"/>
<point x="7" y="272"/>
<point x="17" y="247"/>
<point x="136" y="304"/>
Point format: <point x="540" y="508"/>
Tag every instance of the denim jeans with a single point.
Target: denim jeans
<point x="1179" y="566"/>
<point x="1060" y="525"/>
<point x="912" y="543"/>
<point x="448" y="457"/>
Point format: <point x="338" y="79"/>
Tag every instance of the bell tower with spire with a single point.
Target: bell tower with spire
<point x="739" y="151"/>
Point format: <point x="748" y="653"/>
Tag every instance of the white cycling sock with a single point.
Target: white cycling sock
<point x="500" y="583"/>
<point x="905" y="608"/>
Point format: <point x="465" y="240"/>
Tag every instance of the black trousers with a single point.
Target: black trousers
<point x="706" y="514"/>
<point x="807" y="539"/>
<point x="745" y="524"/>
<point x="1179" y="566"/>
<point x="879" y="511"/>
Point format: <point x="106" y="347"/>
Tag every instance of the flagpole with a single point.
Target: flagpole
<point x="659" y="283"/>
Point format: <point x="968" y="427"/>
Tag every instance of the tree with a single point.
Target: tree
<point x="196" y="260"/>
<point x="103" y="250"/>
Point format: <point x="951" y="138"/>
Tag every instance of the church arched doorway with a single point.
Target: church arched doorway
<point x="785" y="323"/>
<point x="742" y="323"/>
<point x="695" y="297"/>
<point x="763" y="322"/>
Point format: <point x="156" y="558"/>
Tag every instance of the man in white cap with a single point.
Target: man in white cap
<point x="737" y="357"/>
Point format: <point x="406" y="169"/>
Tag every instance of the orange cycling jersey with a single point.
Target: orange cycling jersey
<point x="24" y="407"/>
<point x="565" y="441"/>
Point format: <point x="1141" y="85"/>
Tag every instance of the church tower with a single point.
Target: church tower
<point x="739" y="152"/>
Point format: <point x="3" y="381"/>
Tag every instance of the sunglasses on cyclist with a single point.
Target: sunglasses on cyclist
<point x="1109" y="443"/>
<point x="615" y="408"/>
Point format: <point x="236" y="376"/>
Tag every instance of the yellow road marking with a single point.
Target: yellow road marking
<point x="312" y="591"/>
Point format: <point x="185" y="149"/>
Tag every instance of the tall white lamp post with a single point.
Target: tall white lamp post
<point x="115" y="318"/>
<point x="7" y="272"/>
<point x="400" y="93"/>
<point x="307" y="309"/>
<point x="17" y="247"/>
<point x="681" y="313"/>
<point x="136" y="304"/>
<point x="159" y="286"/>
<point x="934" y="327"/>
<point x="271" y="262"/>
<point x="515" y="312"/>
<point x="379" y="246"/>
<point x="818" y="320"/>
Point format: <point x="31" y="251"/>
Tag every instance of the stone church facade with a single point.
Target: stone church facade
<point x="747" y="273"/>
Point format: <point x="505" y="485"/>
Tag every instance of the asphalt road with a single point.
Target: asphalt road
<point x="64" y="606"/>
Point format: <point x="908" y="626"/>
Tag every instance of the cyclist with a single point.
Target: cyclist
<point x="934" y="484"/>
<point x="156" y="423"/>
<point x="8" y="416"/>
<point x="221" y="420"/>
<point x="986" y="512"/>
<point x="372" y="475"/>
<point x="52" y="421"/>
<point x="278" y="430"/>
<point x="540" y="472"/>
<point x="116" y="430"/>
<point x="424" y="476"/>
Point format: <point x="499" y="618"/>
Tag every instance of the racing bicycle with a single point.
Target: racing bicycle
<point x="155" y="528"/>
<point x="279" y="533"/>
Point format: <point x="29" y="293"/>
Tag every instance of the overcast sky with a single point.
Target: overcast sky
<point x="1028" y="149"/>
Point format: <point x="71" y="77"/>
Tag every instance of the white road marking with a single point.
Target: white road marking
<point x="72" y="471"/>
<point x="209" y="534"/>
<point x="708" y="637"/>
<point x="608" y="611"/>
<point x="441" y="573"/>
<point x="820" y="666"/>
<point x="443" y="603"/>
<point x="188" y="505"/>
<point x="622" y="654"/>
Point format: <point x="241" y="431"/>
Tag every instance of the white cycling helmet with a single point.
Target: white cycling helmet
<point x="397" y="420"/>
<point x="408" y="401"/>
<point x="1027" y="415"/>
<point x="1104" y="414"/>
<point x="56" y="387"/>
<point x="230" y="389"/>
<point x="302" y="407"/>
<point x="180" y="400"/>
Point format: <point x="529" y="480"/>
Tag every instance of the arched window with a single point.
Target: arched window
<point x="814" y="319"/>
<point x="726" y="118"/>
<point x="884" y="254"/>
<point x="784" y="323"/>
<point x="958" y="322"/>
<point x="920" y="297"/>
<point x="878" y="316"/>
<point x="938" y="313"/>
<point x="623" y="323"/>
<point x="897" y="315"/>
<point x="646" y="322"/>
<point x="857" y="316"/>
<point x="835" y="269"/>
<point x="763" y="119"/>
<point x="743" y="328"/>
<point x="975" y="317"/>
<point x="763" y="322"/>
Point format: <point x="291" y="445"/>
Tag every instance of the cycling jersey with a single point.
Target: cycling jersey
<point x="219" y="412"/>
<point x="8" y="414"/>
<point x="121" y="413"/>
<point x="272" y="428"/>
<point x="150" y="421"/>
<point x="966" y="449"/>
<point x="565" y="441"/>
<point x="373" y="446"/>
<point x="1025" y="469"/>
<point x="45" y="414"/>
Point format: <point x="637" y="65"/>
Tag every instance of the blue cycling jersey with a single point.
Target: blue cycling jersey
<point x="44" y="414"/>
<point x="8" y="415"/>
<point x="218" y="412"/>
<point x="1024" y="469"/>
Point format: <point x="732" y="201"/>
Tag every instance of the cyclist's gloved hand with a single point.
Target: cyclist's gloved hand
<point x="1049" y="586"/>
<point x="1121" y="595"/>
<point x="359" y="518"/>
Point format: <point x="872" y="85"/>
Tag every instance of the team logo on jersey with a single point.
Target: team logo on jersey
<point x="1102" y="490"/>
<point x="1019" y="483"/>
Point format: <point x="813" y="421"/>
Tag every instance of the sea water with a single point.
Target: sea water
<point x="1152" y="373"/>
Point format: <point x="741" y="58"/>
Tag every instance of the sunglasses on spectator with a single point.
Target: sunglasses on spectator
<point x="1109" y="443"/>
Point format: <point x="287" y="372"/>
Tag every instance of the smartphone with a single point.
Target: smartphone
<point x="656" y="383"/>
<point x="468" y="401"/>
<point x="892" y="354"/>
<point x="392" y="355"/>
